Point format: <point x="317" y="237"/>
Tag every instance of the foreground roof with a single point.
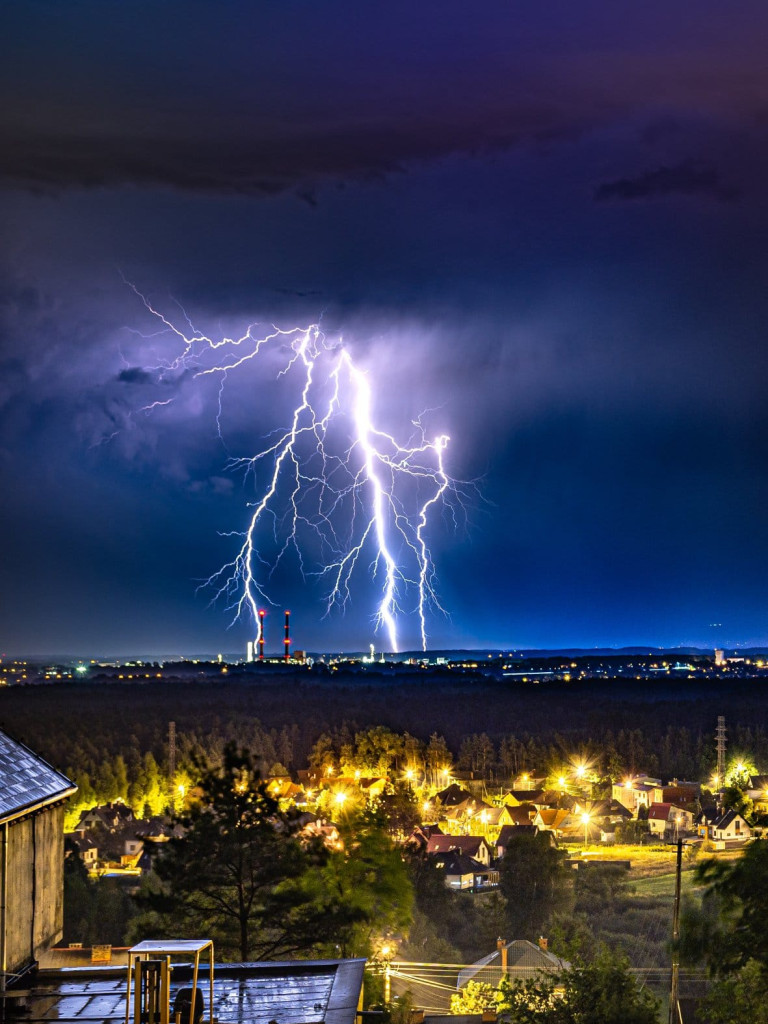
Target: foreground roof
<point x="26" y="780"/>
<point x="291" y="992"/>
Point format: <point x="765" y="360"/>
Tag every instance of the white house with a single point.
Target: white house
<point x="666" y="818"/>
<point x="730" y="826"/>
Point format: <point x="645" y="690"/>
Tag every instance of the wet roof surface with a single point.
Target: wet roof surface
<point x="300" y="992"/>
<point x="25" y="779"/>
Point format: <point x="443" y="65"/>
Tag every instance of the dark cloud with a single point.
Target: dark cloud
<point x="688" y="178"/>
<point x="239" y="117"/>
<point x="134" y="375"/>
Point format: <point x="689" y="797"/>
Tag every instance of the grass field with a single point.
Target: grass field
<point x="661" y="886"/>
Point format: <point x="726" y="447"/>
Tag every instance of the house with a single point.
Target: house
<point x="32" y="797"/>
<point x="282" y="787"/>
<point x="666" y="818"/>
<point x="730" y="826"/>
<point x="456" y="804"/>
<point x="679" y="791"/>
<point x="83" y="847"/>
<point x="319" y="828"/>
<point x="515" y="797"/>
<point x="528" y="781"/>
<point x="419" y="838"/>
<point x="158" y="829"/>
<point x="471" y="846"/>
<point x="522" y="814"/>
<point x="705" y="819"/>
<point x="509" y="832"/>
<point x="640" y="791"/>
<point x="551" y="819"/>
<point x="461" y="871"/>
<point x="496" y="817"/>
<point x="110" y="816"/>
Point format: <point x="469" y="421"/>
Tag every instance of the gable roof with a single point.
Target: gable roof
<point x="523" y="814"/>
<point x="659" y="811"/>
<point x="727" y="819"/>
<point x="469" y="845"/>
<point x="453" y="795"/>
<point x="26" y="780"/>
<point x="509" y="832"/>
<point x="552" y="817"/>
<point x="526" y="796"/>
<point x="524" y="960"/>
<point x="455" y="863"/>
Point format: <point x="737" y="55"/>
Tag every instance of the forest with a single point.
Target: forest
<point x="112" y="738"/>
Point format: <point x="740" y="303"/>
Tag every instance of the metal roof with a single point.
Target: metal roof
<point x="26" y="780"/>
<point x="292" y="992"/>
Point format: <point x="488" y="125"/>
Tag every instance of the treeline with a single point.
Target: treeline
<point x="112" y="739"/>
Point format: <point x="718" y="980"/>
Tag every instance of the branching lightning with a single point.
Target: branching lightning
<point x="331" y="478"/>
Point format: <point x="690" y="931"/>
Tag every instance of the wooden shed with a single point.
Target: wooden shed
<point x="32" y="796"/>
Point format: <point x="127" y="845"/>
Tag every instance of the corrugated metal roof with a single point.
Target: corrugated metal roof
<point x="25" y="779"/>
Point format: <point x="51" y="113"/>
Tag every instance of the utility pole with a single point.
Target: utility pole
<point x="674" y="988"/>
<point x="172" y="757"/>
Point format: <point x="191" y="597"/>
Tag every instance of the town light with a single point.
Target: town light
<point x="585" y="819"/>
<point x="340" y="798"/>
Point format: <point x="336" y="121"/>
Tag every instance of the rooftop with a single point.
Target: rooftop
<point x="26" y="780"/>
<point x="290" y="992"/>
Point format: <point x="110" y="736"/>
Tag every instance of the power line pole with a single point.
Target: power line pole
<point x="674" y="988"/>
<point x="172" y="754"/>
<point x="720" y="737"/>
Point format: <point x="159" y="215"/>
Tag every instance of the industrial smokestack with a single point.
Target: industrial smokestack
<point x="261" y="634"/>
<point x="287" y="640"/>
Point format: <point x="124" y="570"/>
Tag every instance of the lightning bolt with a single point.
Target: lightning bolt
<point x="331" y="475"/>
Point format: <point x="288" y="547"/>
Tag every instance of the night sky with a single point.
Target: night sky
<point x="547" y="223"/>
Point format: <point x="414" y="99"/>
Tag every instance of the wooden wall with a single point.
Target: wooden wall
<point x="35" y="909"/>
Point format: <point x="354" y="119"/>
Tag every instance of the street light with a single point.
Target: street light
<point x="387" y="952"/>
<point x="586" y="818"/>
